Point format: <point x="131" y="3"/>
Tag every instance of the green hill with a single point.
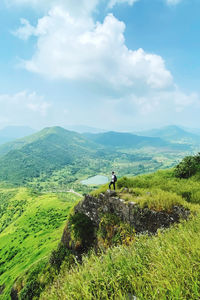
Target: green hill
<point x="57" y="158"/>
<point x="30" y="228"/>
<point x="125" y="140"/>
<point x="164" y="266"/>
<point x="44" y="152"/>
<point x="32" y="225"/>
<point x="139" y="266"/>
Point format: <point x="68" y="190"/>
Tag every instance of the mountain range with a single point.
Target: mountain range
<point x="55" y="148"/>
<point x="173" y="133"/>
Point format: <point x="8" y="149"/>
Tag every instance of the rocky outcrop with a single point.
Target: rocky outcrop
<point x="142" y="219"/>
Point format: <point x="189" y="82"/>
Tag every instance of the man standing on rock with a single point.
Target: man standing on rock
<point x="113" y="180"/>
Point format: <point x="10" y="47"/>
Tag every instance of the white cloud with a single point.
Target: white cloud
<point x="112" y="3"/>
<point x="22" y="108"/>
<point x="25" y="31"/>
<point x="166" y="101"/>
<point x="79" y="49"/>
<point x="173" y="2"/>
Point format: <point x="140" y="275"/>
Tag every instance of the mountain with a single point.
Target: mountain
<point x="57" y="157"/>
<point x="125" y="140"/>
<point x="14" y="132"/>
<point x="195" y="131"/>
<point x="43" y="152"/>
<point x="173" y="134"/>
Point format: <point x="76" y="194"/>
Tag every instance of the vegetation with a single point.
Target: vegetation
<point x="188" y="167"/>
<point x="165" y="266"/>
<point x="125" y="140"/>
<point x="37" y="173"/>
<point x="31" y="227"/>
<point x="160" y="267"/>
<point x="55" y="159"/>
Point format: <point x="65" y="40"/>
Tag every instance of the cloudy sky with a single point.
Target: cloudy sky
<point x="116" y="64"/>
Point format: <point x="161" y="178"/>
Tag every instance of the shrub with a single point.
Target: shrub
<point x="188" y="167"/>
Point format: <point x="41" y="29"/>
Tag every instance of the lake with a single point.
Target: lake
<point x="95" y="180"/>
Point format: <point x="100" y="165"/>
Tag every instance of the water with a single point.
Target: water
<point x="95" y="180"/>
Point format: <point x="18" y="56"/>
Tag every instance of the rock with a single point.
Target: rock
<point x="143" y="220"/>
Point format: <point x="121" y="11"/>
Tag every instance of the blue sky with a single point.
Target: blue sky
<point x="118" y="64"/>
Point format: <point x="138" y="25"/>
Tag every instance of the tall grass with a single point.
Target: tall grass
<point x="161" y="267"/>
<point x="30" y="228"/>
<point x="165" y="266"/>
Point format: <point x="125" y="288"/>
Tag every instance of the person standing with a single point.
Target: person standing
<point x="113" y="180"/>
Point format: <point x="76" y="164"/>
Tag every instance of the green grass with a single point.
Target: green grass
<point x="31" y="227"/>
<point x="162" y="182"/>
<point x="160" y="267"/>
<point x="165" y="266"/>
<point x="156" y="199"/>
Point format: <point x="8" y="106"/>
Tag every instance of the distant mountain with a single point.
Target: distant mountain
<point x="195" y="131"/>
<point x="55" y="148"/>
<point x="45" y="151"/>
<point x="14" y="132"/>
<point x="124" y="140"/>
<point x="84" y="129"/>
<point x="173" y="134"/>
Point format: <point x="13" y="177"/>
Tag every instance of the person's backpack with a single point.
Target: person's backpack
<point x="115" y="178"/>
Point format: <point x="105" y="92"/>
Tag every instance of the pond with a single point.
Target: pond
<point x="95" y="180"/>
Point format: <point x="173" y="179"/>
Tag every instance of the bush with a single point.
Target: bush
<point x="188" y="167"/>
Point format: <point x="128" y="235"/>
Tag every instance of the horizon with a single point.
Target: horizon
<point x="82" y="129"/>
<point x="119" y="65"/>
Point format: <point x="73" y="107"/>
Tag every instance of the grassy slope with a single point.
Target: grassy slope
<point x="165" y="266"/>
<point x="31" y="227"/>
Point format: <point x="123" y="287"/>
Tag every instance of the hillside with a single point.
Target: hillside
<point x="145" y="267"/>
<point x="33" y="254"/>
<point x="173" y="134"/>
<point x="141" y="265"/>
<point x="30" y="228"/>
<point x="43" y="152"/>
<point x="123" y="140"/>
<point x="55" y="158"/>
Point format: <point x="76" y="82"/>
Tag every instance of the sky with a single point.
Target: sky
<point x="120" y="65"/>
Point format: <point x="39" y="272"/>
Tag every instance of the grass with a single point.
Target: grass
<point x="165" y="266"/>
<point x="32" y="227"/>
<point x="161" y="267"/>
<point x="156" y="199"/>
<point x="161" y="187"/>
